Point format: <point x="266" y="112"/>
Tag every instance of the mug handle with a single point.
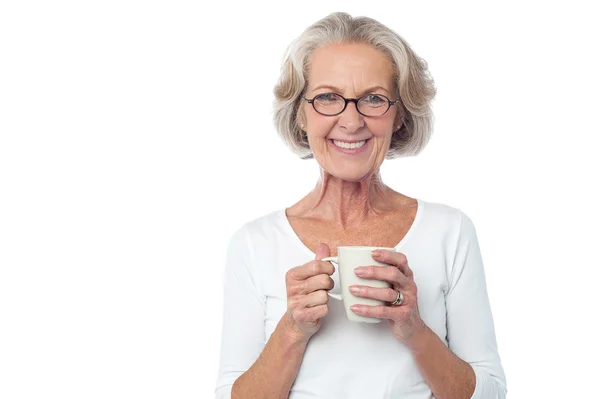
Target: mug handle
<point x="334" y="262"/>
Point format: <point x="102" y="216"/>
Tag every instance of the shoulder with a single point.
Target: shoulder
<point x="260" y="227"/>
<point x="446" y="219"/>
<point x="443" y="214"/>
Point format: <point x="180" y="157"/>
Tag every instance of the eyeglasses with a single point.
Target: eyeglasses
<point x="331" y="104"/>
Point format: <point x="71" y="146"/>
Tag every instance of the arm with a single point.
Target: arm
<point x="446" y="374"/>
<point x="273" y="374"/>
<point x="470" y="366"/>
<point x="248" y="368"/>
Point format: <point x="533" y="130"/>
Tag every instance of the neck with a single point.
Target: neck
<point x="345" y="203"/>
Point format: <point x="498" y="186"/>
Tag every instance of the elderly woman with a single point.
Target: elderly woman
<point x="351" y="94"/>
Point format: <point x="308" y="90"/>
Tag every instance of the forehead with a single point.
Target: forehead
<point x="351" y="67"/>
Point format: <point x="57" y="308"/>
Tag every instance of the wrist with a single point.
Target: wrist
<point x="292" y="334"/>
<point x="420" y="338"/>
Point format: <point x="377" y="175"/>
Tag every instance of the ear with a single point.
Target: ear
<point x="301" y="120"/>
<point x="399" y="119"/>
<point x="397" y="124"/>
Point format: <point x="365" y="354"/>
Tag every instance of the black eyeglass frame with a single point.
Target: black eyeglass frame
<point x="353" y="100"/>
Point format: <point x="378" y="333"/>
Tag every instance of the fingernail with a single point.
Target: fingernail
<point x="353" y="289"/>
<point x="355" y="308"/>
<point x="376" y="254"/>
<point x="359" y="271"/>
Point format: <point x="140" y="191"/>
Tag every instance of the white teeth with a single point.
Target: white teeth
<point x="342" y="144"/>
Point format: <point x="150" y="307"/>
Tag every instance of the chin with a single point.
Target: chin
<point x="351" y="174"/>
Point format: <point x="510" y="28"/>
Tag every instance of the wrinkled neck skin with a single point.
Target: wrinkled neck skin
<point x="348" y="204"/>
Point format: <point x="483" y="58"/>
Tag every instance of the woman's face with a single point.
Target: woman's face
<point x="351" y="70"/>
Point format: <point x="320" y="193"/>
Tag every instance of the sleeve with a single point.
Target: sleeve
<point x="470" y="326"/>
<point x="242" y="336"/>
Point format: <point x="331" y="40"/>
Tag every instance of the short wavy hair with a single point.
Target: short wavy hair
<point x="413" y="82"/>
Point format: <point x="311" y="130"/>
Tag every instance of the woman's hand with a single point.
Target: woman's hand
<point x="307" y="287"/>
<point x="404" y="319"/>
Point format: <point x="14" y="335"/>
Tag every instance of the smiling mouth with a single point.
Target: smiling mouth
<point x="349" y="146"/>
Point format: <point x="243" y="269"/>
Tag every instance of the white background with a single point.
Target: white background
<point x="137" y="136"/>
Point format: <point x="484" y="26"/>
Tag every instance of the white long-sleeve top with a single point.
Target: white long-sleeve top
<point x="361" y="360"/>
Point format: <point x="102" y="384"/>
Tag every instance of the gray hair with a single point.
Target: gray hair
<point x="412" y="79"/>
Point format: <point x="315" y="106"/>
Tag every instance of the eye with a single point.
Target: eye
<point x="327" y="98"/>
<point x="374" y="99"/>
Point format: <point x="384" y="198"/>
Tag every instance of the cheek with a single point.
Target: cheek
<point x="321" y="127"/>
<point x="382" y="132"/>
<point x="381" y="128"/>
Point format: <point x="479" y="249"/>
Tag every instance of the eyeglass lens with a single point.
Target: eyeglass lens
<point x="332" y="104"/>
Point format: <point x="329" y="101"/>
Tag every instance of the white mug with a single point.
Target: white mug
<point x="348" y="259"/>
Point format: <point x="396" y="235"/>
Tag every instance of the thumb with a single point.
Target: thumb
<point x="322" y="251"/>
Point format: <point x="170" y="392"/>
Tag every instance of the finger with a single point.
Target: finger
<point x="308" y="301"/>
<point x="382" y="294"/>
<point x="397" y="259"/>
<point x="310" y="269"/>
<point x="317" y="298"/>
<point x="314" y="283"/>
<point x="379" y="312"/>
<point x="322" y="251"/>
<point x="390" y="274"/>
<point x="313" y="314"/>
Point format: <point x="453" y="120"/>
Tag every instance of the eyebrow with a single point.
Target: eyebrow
<point x="338" y="90"/>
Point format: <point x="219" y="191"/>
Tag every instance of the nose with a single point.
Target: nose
<point x="351" y="119"/>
